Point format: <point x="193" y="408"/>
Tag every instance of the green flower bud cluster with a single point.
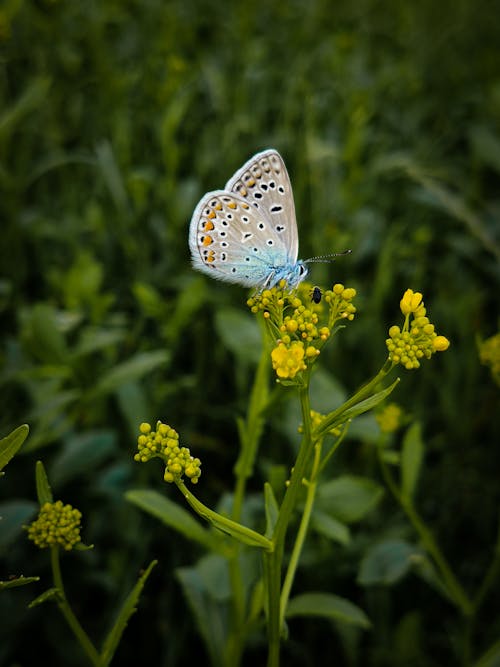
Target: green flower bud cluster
<point x="163" y="443"/>
<point x="56" y="524"/>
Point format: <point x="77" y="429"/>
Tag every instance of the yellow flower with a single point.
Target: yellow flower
<point x="417" y="338"/>
<point x="410" y="302"/>
<point x="288" y="361"/>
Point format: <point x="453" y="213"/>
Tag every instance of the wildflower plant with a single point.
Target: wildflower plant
<point x="296" y="325"/>
<point x="57" y="528"/>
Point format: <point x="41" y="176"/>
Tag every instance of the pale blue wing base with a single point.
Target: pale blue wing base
<point x="233" y="241"/>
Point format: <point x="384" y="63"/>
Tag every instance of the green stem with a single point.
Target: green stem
<point x="453" y="586"/>
<point x="272" y="576"/>
<point x="273" y="561"/>
<point x="301" y="534"/>
<point x="67" y="612"/>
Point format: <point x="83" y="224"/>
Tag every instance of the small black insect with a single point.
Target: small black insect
<point x="316" y="294"/>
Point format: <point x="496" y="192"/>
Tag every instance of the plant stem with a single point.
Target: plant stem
<point x="67" y="612"/>
<point x="301" y="534"/>
<point x="453" y="586"/>
<point x="273" y="560"/>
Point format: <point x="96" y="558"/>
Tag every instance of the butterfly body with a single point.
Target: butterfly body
<point x="247" y="233"/>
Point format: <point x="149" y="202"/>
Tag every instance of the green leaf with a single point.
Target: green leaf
<point x="240" y="333"/>
<point x="213" y="570"/>
<point x="342" y="414"/>
<point x="387" y="562"/>
<point x="331" y="528"/>
<point x="349" y="498"/>
<point x="128" y="608"/>
<point x="130" y="370"/>
<point x="53" y="594"/>
<point x="174" y="516"/>
<point x="411" y="459"/>
<point x="211" y="617"/>
<point x="11" y="443"/>
<point x="327" y="606"/>
<point x="93" y="339"/>
<point x="43" y="490"/>
<point x="272" y="509"/>
<point x="368" y="403"/>
<point x="42" y="335"/>
<point x="82" y="453"/>
<point x="134" y="404"/>
<point x="17" y="581"/>
<point x="14" y="514"/>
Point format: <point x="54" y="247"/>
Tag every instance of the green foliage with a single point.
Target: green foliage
<point x="115" y="117"/>
<point x="11" y="444"/>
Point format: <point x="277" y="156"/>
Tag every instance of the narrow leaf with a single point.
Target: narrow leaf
<point x="211" y="618"/>
<point x="11" y="444"/>
<point x="328" y="606"/>
<point x="43" y="490"/>
<point x="50" y="594"/>
<point x="174" y="516"/>
<point x="129" y="607"/>
<point x="411" y="459"/>
<point x="342" y="415"/>
<point x="332" y="528"/>
<point x="17" y="581"/>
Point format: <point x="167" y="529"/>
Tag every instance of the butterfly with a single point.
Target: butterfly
<point x="247" y="233"/>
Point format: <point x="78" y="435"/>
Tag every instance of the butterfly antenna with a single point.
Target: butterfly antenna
<point x="327" y="258"/>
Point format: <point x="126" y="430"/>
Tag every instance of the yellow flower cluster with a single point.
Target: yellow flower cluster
<point x="489" y="353"/>
<point x="389" y="419"/>
<point x="417" y="338"/>
<point x="298" y="323"/>
<point x="164" y="444"/>
<point x="56" y="524"/>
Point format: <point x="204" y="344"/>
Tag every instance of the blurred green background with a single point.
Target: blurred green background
<point x="115" y="118"/>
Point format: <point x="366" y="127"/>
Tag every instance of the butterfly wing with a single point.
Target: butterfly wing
<point x="264" y="183"/>
<point x="234" y="241"/>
